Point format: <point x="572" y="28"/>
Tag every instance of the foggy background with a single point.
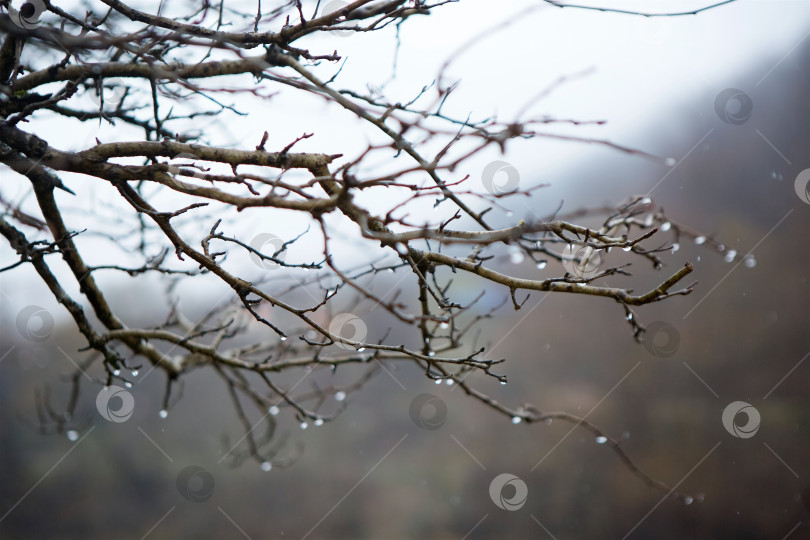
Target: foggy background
<point x="742" y="335"/>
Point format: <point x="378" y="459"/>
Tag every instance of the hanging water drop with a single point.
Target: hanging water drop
<point x="318" y="422"/>
<point x="750" y="261"/>
<point x="700" y="240"/>
<point x="601" y="439"/>
<point x="283" y="338"/>
<point x="134" y="372"/>
<point x="665" y="226"/>
<point x="266" y="466"/>
<point x="730" y="256"/>
<point x="541" y="265"/>
<point x="274" y="410"/>
<point x="340" y="396"/>
<point x="516" y="419"/>
<point x="163" y="413"/>
<point x="548" y="421"/>
<point x="444" y="325"/>
<point x="449" y="382"/>
<point x="361" y="349"/>
<point x="688" y="500"/>
<point x="627" y="248"/>
<point x="116" y="372"/>
<point x="503" y="383"/>
<point x="670" y="161"/>
<point x="431" y="354"/>
<point x="72" y="435"/>
<point x="437" y="381"/>
<point x="675" y="247"/>
<point x="128" y="384"/>
<point x="304" y="425"/>
<point x="629" y="316"/>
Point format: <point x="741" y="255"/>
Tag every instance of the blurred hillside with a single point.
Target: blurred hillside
<point x="373" y="473"/>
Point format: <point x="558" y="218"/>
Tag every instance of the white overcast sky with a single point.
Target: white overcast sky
<point x="639" y="71"/>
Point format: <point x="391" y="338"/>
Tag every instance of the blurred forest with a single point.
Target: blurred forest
<point x="373" y="473"/>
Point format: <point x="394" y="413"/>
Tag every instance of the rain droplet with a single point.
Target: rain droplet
<point x="721" y="248"/>
<point x="128" y="384"/>
<point x="449" y="382"/>
<point x="665" y="226"/>
<point x="361" y="349"/>
<point x="730" y="255"/>
<point x="163" y="413"/>
<point x="629" y="316"/>
<point x="670" y="161"/>
<point x="627" y="248"/>
<point x="437" y="381"/>
<point x="503" y="383"/>
<point x="548" y="421"/>
<point x="601" y="439"/>
<point x="645" y="201"/>
<point x="274" y="410"/>
<point x="688" y="500"/>
<point x="750" y="261"/>
<point x="444" y="325"/>
<point x="266" y="466"/>
<point x="340" y="396"/>
<point x="516" y="256"/>
<point x="318" y="422"/>
<point x="134" y="372"/>
<point x="72" y="435"/>
<point x="541" y="265"/>
<point x="700" y="240"/>
<point x="675" y="247"/>
<point x="283" y="338"/>
<point x="116" y="372"/>
<point x="516" y="419"/>
<point x="304" y="425"/>
<point x="431" y="354"/>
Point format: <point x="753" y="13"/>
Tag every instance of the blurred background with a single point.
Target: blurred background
<point x="741" y="336"/>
